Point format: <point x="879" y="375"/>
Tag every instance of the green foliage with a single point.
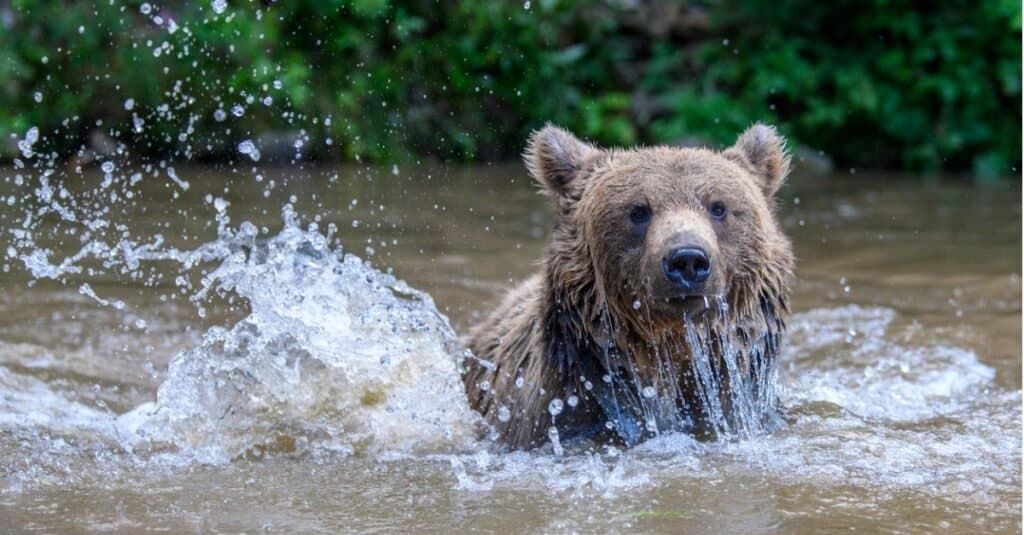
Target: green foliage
<point x="885" y="83"/>
<point x="895" y="84"/>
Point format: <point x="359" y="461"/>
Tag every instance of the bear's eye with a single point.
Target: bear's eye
<point x="717" y="210"/>
<point x="640" y="214"/>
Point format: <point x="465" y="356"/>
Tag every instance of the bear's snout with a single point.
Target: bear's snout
<point x="682" y="259"/>
<point x="688" y="268"/>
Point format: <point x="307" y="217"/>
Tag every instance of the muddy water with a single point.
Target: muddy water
<point x="900" y="383"/>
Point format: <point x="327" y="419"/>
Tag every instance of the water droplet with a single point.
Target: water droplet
<point x="649" y="392"/>
<point x="219" y="6"/>
<point x="248" y="148"/>
<point x="555" y="442"/>
<point x="108" y="167"/>
<point x="519" y="382"/>
<point x="636" y="305"/>
<point x="145" y="8"/>
<point x="173" y="175"/>
<point x="140" y="324"/>
<point x="219" y="115"/>
<point x="484" y="385"/>
<point x="129" y="104"/>
<point x="572" y="401"/>
<point x="38" y="97"/>
<point x="237" y="110"/>
<point x="504" y="414"/>
<point x="555" y="407"/>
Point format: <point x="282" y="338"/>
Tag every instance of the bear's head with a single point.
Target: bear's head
<point x="651" y="236"/>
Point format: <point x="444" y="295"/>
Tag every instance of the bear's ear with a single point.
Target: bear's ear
<point x="554" y="158"/>
<point x="762" y="150"/>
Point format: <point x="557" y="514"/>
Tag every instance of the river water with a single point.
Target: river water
<point x="202" y="359"/>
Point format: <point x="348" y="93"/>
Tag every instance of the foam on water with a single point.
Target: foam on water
<point x="29" y="402"/>
<point x="874" y="376"/>
<point x="860" y="409"/>
<point x="874" y="412"/>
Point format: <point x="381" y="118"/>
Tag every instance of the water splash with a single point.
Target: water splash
<point x="302" y="371"/>
<point x="334" y="354"/>
<point x="735" y="371"/>
<point x="724" y="388"/>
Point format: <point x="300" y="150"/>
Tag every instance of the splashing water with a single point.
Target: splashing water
<point x="330" y="364"/>
<point x="735" y="375"/>
<point x="726" y="389"/>
<point x="332" y="356"/>
<point x="333" y="353"/>
<point x="338" y="355"/>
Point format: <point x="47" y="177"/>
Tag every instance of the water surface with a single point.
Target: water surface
<point x="314" y="397"/>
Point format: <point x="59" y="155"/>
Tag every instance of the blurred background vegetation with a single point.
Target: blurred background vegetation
<point x="891" y="84"/>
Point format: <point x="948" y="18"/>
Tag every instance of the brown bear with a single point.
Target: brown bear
<point x="663" y="262"/>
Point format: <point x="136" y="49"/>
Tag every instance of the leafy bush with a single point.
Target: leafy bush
<point x="891" y="84"/>
<point x="895" y="84"/>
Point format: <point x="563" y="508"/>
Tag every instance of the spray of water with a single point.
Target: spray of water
<point x="735" y="374"/>
<point x="331" y="354"/>
<point x="719" y="380"/>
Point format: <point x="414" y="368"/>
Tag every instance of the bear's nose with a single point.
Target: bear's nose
<point x="687" y="267"/>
